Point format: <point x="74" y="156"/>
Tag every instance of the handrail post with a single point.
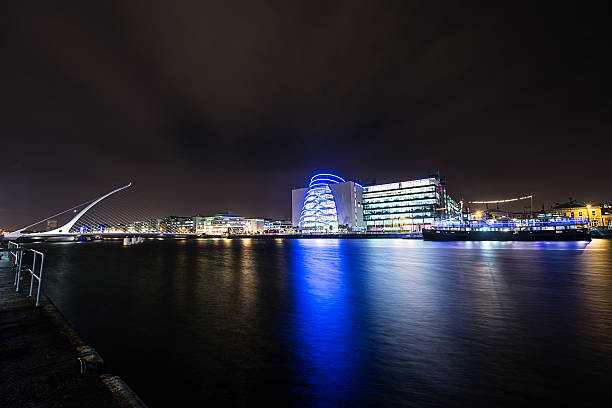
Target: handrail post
<point x="16" y="263"/>
<point x="19" y="265"/>
<point x="33" y="271"/>
<point x="18" y="274"/>
<point x="42" y="260"/>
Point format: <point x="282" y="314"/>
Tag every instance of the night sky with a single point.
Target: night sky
<point x="210" y="107"/>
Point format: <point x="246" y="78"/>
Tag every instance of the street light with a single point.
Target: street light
<point x="589" y="214"/>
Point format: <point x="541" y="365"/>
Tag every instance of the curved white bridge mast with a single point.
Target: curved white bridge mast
<point x="65" y="229"/>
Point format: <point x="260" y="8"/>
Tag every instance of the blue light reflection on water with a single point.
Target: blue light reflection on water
<point x="416" y="324"/>
<point x="322" y="320"/>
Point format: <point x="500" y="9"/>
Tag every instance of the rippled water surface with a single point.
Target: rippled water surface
<point x="344" y="322"/>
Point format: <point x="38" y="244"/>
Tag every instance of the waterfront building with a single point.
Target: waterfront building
<point x="155" y="224"/>
<point x="254" y="225"/>
<point x="139" y="226"/>
<point x="200" y="224"/>
<point x="606" y="214"/>
<point x="152" y="225"/>
<point x="597" y="215"/>
<point x="278" y="226"/>
<point x="174" y="224"/>
<point x="407" y="206"/>
<point x="218" y="224"/>
<point x="101" y="227"/>
<point x="572" y="209"/>
<point x="222" y="224"/>
<point x="328" y="204"/>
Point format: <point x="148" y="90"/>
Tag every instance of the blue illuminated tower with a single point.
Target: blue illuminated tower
<point x="319" y="210"/>
<point x="328" y="204"/>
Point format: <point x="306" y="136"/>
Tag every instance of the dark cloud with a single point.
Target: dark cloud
<point x="218" y="106"/>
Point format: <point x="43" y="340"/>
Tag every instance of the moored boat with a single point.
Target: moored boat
<point x="555" y="229"/>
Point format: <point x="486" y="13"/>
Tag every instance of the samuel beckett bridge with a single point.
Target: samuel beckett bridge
<point x="110" y="215"/>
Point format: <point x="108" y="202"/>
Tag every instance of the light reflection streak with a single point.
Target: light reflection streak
<point x="323" y="318"/>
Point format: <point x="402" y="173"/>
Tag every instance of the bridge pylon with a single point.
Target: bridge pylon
<point x="64" y="229"/>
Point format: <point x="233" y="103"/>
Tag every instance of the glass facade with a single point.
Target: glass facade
<point x="179" y="224"/>
<point x="278" y="226"/>
<point x="319" y="212"/>
<point x="222" y="224"/>
<point x="171" y="224"/>
<point x="405" y="206"/>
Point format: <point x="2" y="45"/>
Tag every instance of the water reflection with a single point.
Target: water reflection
<point x="345" y="322"/>
<point x="322" y="321"/>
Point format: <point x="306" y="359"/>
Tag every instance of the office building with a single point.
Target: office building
<point x="278" y="226"/>
<point x="407" y="206"/>
<point x="220" y="224"/>
<point x="254" y="225"/>
<point x="174" y="224"/>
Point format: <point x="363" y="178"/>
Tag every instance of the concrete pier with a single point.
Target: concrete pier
<point x="43" y="361"/>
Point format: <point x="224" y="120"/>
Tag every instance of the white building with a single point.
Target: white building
<point x="229" y="224"/>
<point x="328" y="204"/>
<point x="407" y="206"/>
<point x="254" y="225"/>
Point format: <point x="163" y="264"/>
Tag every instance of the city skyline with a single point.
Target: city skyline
<point x="249" y="214"/>
<point x="308" y="203"/>
<point x="209" y="109"/>
<point x="401" y="205"/>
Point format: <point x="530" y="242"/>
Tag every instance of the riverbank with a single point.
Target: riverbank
<point x="173" y="237"/>
<point x="43" y="360"/>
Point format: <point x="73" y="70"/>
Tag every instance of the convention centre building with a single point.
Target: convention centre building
<point x="330" y="203"/>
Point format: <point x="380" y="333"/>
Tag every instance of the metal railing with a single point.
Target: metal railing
<point x="36" y="269"/>
<point x="36" y="274"/>
<point x="16" y="251"/>
<point x="12" y="246"/>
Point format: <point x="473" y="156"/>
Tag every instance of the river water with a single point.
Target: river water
<point x="330" y="322"/>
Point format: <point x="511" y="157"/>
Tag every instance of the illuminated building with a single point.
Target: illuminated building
<point x="155" y="225"/>
<point x="328" y="204"/>
<point x="222" y="224"/>
<point x="597" y="215"/>
<point x="174" y="224"/>
<point x="198" y="221"/>
<point x="407" y="206"/>
<point x="139" y="226"/>
<point x="606" y="214"/>
<point x="254" y="225"/>
<point x="214" y="225"/>
<point x="278" y="226"/>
